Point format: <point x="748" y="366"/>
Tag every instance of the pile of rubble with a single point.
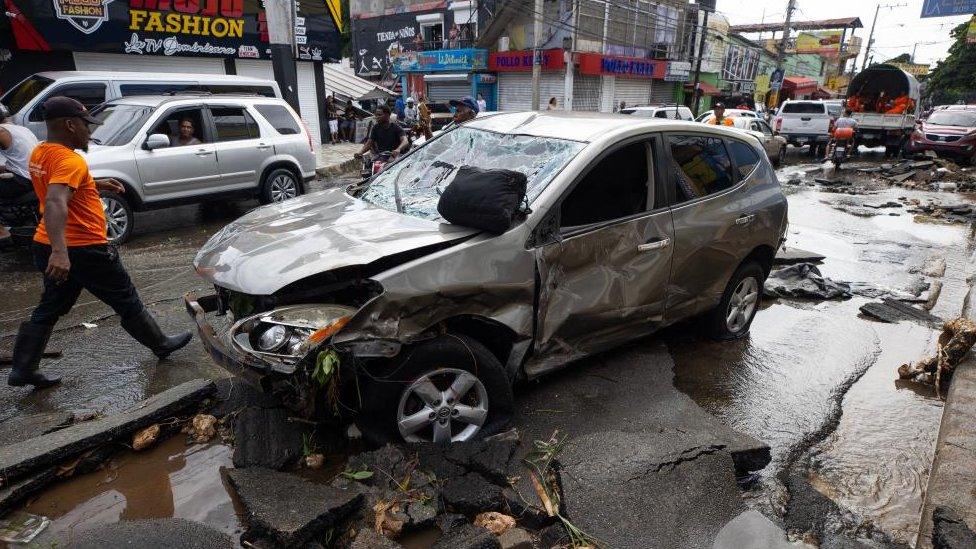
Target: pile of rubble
<point x="927" y="172"/>
<point x="957" y="337"/>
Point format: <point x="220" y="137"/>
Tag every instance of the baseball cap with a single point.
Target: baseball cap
<point x="718" y="106"/>
<point x="65" y="107"/>
<point x="467" y="101"/>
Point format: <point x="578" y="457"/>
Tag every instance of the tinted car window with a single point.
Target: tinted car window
<point x="90" y="95"/>
<point x="746" y="158"/>
<point x="804" y="108"/>
<point x="702" y="166"/>
<point x="22" y="93"/>
<point x="662" y="114"/>
<point x="233" y="124"/>
<point x="241" y="89"/>
<point x="615" y="188"/>
<point x="279" y="117"/>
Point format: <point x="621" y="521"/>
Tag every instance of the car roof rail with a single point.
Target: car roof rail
<point x="187" y="92"/>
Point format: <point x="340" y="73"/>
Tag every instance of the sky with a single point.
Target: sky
<point x="898" y="29"/>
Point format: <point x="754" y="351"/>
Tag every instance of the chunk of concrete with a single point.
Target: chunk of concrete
<point x="11" y="495"/>
<point x="22" y="427"/>
<point x="790" y="256"/>
<point x="263" y="437"/>
<point x="467" y="536"/>
<point x="950" y="531"/>
<point x="751" y="530"/>
<point x="490" y="458"/>
<point x="233" y="394"/>
<point x="516" y="538"/>
<point x="472" y="494"/>
<point x="288" y="509"/>
<point x="170" y="532"/>
<point x="20" y="459"/>
<point x="893" y="311"/>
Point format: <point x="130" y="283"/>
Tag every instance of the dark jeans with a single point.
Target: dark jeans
<point x="93" y="268"/>
<point x="13" y="188"/>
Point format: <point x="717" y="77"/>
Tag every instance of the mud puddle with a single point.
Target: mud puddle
<point x="170" y="480"/>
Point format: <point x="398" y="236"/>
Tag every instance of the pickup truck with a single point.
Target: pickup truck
<point x="890" y="129"/>
<point x="805" y="123"/>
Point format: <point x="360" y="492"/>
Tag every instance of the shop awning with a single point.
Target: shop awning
<point x="800" y="84"/>
<point x="350" y="87"/>
<point x="706" y="88"/>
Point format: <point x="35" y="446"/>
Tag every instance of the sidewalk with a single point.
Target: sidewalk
<point x="332" y="160"/>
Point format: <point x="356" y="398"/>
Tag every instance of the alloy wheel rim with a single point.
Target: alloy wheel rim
<point x="116" y="218"/>
<point x="283" y="187"/>
<point x="443" y="405"/>
<point x="742" y="305"/>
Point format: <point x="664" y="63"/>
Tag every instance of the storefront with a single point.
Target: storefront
<point x="161" y="36"/>
<point x="798" y="87"/>
<point x="514" y="70"/>
<point x="630" y="80"/>
<point x="442" y="75"/>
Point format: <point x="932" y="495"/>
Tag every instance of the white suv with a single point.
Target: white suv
<point x="232" y="147"/>
<point x="670" y="112"/>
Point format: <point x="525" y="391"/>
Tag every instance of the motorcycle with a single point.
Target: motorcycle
<point x="374" y="164"/>
<point x="21" y="214"/>
<point x="843" y="146"/>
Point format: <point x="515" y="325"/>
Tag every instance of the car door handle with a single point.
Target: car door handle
<point x="745" y="220"/>
<point x="805" y="118"/>
<point x="203" y="152"/>
<point x="263" y="147"/>
<point x="659" y="244"/>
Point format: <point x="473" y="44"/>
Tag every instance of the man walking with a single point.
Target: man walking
<point x="70" y="247"/>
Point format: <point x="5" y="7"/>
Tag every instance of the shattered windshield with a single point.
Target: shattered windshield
<point x="414" y="184"/>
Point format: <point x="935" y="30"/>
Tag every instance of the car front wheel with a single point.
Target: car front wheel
<point x="448" y="389"/>
<point x="118" y="217"/>
<point x="279" y="185"/>
<point x="735" y="313"/>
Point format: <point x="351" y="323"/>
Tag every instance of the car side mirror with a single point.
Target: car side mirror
<point x="156" y="141"/>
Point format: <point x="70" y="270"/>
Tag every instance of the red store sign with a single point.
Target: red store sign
<point x="521" y="61"/>
<point x="626" y="67"/>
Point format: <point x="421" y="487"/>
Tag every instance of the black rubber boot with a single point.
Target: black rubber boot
<point x="143" y="328"/>
<point x="28" y="349"/>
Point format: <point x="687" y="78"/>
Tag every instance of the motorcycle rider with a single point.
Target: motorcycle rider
<point x="844" y="121"/>
<point x="16" y="144"/>
<point x="70" y="247"/>
<point x="385" y="135"/>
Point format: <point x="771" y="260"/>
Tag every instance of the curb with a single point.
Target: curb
<point x="335" y="170"/>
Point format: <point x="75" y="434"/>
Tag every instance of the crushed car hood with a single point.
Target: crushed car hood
<point x="278" y="244"/>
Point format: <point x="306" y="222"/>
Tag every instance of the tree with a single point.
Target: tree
<point x="954" y="78"/>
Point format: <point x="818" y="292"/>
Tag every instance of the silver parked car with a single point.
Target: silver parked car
<point x="774" y="145"/>
<point x="364" y="302"/>
<point x="171" y="150"/>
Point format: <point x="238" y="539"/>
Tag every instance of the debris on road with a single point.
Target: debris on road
<point x="790" y="256"/>
<point x="496" y="523"/>
<point x="145" y="438"/>
<point x="957" y="337"/>
<point x="893" y="311"/>
<point x="202" y="428"/>
<point x="928" y="173"/>
<point x="263" y="437"/>
<point x="314" y="461"/>
<point x="804" y="280"/>
<point x="21" y="527"/>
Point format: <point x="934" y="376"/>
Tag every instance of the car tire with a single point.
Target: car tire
<point x="432" y="367"/>
<point x="746" y="284"/>
<point x="119" y="220"/>
<point x="280" y="184"/>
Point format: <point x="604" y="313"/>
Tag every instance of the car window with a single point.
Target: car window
<point x="279" y="117"/>
<point x="804" y="108"/>
<point x="764" y="127"/>
<point x="233" y="124"/>
<point x="746" y="158"/>
<point x="119" y="123"/>
<point x="614" y="188"/>
<point x="89" y="94"/>
<point x="236" y="89"/>
<point x="183" y="126"/>
<point x="152" y="89"/>
<point x="702" y="166"/>
<point x="662" y="114"/>
<point x="22" y="93"/>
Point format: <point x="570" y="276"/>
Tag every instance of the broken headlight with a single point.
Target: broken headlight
<point x="288" y="333"/>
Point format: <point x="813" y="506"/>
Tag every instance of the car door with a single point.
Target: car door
<point x="769" y="144"/>
<point x="603" y="276"/>
<point x="89" y="94"/>
<point x="178" y="171"/>
<point x="713" y="213"/>
<point x="241" y="151"/>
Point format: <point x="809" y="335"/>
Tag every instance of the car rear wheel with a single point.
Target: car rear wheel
<point x="279" y="185"/>
<point x="118" y="217"/>
<point x="735" y="313"/>
<point x="448" y="389"/>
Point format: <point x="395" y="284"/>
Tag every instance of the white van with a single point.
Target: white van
<point x="94" y="88"/>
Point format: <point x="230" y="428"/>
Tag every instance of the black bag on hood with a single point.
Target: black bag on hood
<point x="489" y="200"/>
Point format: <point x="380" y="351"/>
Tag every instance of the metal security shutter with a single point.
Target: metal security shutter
<point x="255" y="68"/>
<point x="662" y="93"/>
<point x="445" y="91"/>
<point x="515" y="90"/>
<point x="586" y="92"/>
<point x="308" y="101"/>
<point x="118" y="62"/>
<point x="632" y="91"/>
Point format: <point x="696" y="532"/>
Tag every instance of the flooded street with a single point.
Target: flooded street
<point x="816" y="380"/>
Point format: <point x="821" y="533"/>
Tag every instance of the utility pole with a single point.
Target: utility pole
<point x="867" y="50"/>
<point x="695" y="95"/>
<point x="781" y="51"/>
<point x="281" y="35"/>
<point x="537" y="53"/>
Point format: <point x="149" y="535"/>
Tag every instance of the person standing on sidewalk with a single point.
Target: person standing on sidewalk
<point x="70" y="247"/>
<point x="332" y="115"/>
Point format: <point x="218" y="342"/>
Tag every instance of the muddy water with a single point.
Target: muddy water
<point x="812" y="372"/>
<point x="170" y="480"/>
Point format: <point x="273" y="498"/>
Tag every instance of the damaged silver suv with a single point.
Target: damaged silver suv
<point x="365" y="304"/>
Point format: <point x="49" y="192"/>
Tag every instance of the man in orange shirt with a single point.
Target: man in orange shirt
<point x="719" y="118"/>
<point x="70" y="247"/>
